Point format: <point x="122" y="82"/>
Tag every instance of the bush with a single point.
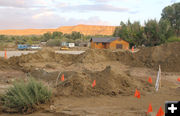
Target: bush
<point x="54" y="42"/>
<point x="25" y="97"/>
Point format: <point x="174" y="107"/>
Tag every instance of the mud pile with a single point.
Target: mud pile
<point x="94" y="56"/>
<point x="107" y="83"/>
<point x="98" y="55"/>
<point x="166" y="55"/>
<point x="45" y="55"/>
<point x="4" y="65"/>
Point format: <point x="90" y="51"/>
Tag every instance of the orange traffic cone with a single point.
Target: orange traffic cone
<point x="178" y="79"/>
<point x="149" y="109"/>
<point x="132" y="48"/>
<point x="160" y="112"/>
<point x="150" y="80"/>
<point x="62" y="77"/>
<point x="94" y="83"/>
<point x="137" y="94"/>
<point x="5" y="55"/>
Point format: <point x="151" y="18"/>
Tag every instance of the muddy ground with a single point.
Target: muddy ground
<point x="117" y="75"/>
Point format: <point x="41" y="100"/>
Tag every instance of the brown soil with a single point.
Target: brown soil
<point x="4" y="65"/>
<point x="166" y="55"/>
<point x="107" y="83"/>
<point x="117" y="75"/>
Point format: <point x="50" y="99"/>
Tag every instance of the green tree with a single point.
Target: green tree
<point x="172" y="14"/>
<point x="131" y="32"/>
<point x="152" y="32"/>
<point x="165" y="30"/>
<point x="47" y="36"/>
<point x="75" y="35"/>
<point x="57" y="34"/>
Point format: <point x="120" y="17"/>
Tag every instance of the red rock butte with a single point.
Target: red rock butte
<point x="84" y="29"/>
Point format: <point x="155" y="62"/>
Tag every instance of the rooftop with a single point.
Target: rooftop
<point x="104" y="40"/>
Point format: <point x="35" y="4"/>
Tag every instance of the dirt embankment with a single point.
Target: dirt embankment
<point x="107" y="83"/>
<point x="42" y="56"/>
<point x="166" y="55"/>
<point x="4" y="65"/>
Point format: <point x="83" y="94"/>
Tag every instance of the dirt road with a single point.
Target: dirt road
<point x="18" y="53"/>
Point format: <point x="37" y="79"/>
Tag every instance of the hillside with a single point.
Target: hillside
<point x="84" y="29"/>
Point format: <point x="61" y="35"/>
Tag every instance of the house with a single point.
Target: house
<point x="109" y="43"/>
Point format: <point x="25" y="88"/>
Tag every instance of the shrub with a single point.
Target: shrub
<point x="25" y="97"/>
<point x="54" y="42"/>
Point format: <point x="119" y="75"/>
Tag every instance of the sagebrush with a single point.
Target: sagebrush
<point x="25" y="97"/>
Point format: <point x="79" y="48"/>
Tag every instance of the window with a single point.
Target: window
<point x="119" y="46"/>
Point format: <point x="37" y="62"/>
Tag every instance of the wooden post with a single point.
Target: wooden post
<point x="159" y="76"/>
<point x="57" y="79"/>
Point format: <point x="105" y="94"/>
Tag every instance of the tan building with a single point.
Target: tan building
<point x="109" y="43"/>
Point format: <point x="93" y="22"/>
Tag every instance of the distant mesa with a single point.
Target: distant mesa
<point x="84" y="29"/>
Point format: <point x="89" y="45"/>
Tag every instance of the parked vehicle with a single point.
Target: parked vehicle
<point x="28" y="47"/>
<point x="23" y="47"/>
<point x="64" y="48"/>
<point x="35" y="47"/>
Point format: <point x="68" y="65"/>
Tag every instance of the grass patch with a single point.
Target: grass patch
<point x="173" y="39"/>
<point x="25" y="97"/>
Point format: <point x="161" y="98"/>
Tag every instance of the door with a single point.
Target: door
<point x="119" y="46"/>
<point x="104" y="45"/>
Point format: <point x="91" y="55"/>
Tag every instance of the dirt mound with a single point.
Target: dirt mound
<point x="4" y="65"/>
<point x="107" y="83"/>
<point x="40" y="56"/>
<point x="166" y="55"/>
<point x="44" y="55"/>
<point x="97" y="55"/>
<point x="94" y="56"/>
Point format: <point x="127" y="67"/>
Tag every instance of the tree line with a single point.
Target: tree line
<point x="153" y="32"/>
<point x="52" y="39"/>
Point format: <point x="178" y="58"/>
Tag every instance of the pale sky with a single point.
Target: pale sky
<point x="23" y="14"/>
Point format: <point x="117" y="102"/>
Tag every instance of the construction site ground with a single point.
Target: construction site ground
<point x="117" y="73"/>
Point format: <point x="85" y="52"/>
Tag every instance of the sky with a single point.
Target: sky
<point x="25" y="14"/>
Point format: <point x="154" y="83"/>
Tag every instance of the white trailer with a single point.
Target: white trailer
<point x="71" y="45"/>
